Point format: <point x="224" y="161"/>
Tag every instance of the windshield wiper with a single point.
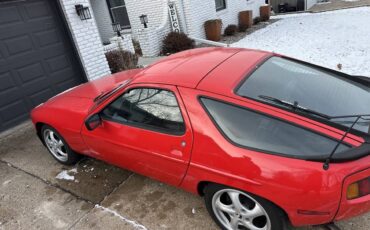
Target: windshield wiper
<point x="358" y="117"/>
<point x="295" y="106"/>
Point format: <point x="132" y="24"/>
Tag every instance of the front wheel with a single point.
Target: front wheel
<point x="58" y="147"/>
<point x="233" y="209"/>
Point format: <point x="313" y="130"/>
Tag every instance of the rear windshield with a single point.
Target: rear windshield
<point x="312" y="88"/>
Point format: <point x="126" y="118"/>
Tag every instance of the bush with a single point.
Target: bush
<point x="230" y="30"/>
<point x="256" y="20"/>
<point x="175" y="42"/>
<point x="137" y="47"/>
<point x="242" y="27"/>
<point x="121" y="60"/>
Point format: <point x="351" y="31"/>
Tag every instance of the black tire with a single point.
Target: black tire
<point x="278" y="220"/>
<point x="71" y="156"/>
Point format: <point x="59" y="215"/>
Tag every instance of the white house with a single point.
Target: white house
<point x="191" y="15"/>
<point x="48" y="46"/>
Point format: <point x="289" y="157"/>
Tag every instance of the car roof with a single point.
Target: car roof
<point x="226" y="77"/>
<point x="189" y="68"/>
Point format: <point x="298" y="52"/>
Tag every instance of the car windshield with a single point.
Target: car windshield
<point x="312" y="88"/>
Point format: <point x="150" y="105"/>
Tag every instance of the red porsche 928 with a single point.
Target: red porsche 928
<point x="266" y="139"/>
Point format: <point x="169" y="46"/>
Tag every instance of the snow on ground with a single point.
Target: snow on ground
<point x="65" y="174"/>
<point x="327" y="39"/>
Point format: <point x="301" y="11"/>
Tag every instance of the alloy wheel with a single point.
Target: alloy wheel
<point x="237" y="210"/>
<point x="55" y="145"/>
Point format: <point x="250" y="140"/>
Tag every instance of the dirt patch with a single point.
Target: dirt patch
<point x="93" y="179"/>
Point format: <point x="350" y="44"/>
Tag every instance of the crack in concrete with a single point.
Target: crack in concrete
<point x="95" y="205"/>
<point x="135" y="224"/>
<point x="48" y="182"/>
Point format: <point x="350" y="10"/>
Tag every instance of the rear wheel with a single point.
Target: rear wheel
<point x="58" y="147"/>
<point x="233" y="209"/>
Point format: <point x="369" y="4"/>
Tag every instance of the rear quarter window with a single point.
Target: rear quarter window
<point x="250" y="129"/>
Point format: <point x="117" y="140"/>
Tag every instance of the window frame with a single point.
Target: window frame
<point x="143" y="126"/>
<point x="222" y="7"/>
<point x="112" y="16"/>
<point x="355" y="132"/>
<point x="312" y="158"/>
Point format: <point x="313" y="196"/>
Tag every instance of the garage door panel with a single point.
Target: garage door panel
<point x="6" y="82"/>
<point x="40" y="96"/>
<point x="9" y="15"/>
<point x="31" y="72"/>
<point x="14" y="112"/>
<point x="62" y="76"/>
<point x="58" y="63"/>
<point x="66" y="85"/>
<point x="9" y="96"/>
<point x="37" y="59"/>
<point x="18" y="45"/>
<point x="49" y="37"/>
<point x="37" y="9"/>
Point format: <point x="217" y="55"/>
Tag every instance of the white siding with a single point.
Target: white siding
<point x="87" y="40"/>
<point x="103" y="19"/>
<point x="154" y="9"/>
<point x="199" y="11"/>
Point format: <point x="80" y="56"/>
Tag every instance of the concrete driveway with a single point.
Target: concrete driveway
<point x="95" y="196"/>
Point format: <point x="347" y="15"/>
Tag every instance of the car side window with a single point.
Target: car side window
<point x="250" y="129"/>
<point x="148" y="108"/>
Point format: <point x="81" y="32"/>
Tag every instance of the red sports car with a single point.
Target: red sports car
<point x="266" y="139"/>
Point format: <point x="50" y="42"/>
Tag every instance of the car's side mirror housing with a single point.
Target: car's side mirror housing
<point x="93" y="122"/>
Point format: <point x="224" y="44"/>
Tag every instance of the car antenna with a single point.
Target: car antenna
<point x="358" y="117"/>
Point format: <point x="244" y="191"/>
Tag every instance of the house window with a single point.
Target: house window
<point x="220" y="4"/>
<point x="118" y="13"/>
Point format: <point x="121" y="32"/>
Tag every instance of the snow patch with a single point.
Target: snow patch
<point x="65" y="174"/>
<point x="324" y="39"/>
<point x="7" y="182"/>
<point x="131" y="222"/>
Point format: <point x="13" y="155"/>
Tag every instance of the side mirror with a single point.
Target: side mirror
<point x="93" y="122"/>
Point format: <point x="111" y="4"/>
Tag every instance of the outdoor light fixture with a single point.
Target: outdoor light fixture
<point x="117" y="28"/>
<point x="144" y="20"/>
<point x="83" y="12"/>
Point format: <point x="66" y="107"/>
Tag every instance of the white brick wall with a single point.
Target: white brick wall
<point x="193" y="12"/>
<point x="87" y="40"/>
<point x="153" y="8"/>
<point x="199" y="11"/>
<point x="124" y="43"/>
<point x="103" y="19"/>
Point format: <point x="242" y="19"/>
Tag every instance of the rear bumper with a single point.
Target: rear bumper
<point x="355" y="207"/>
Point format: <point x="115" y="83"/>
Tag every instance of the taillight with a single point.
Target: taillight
<point x="358" y="189"/>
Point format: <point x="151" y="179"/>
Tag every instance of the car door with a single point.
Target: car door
<point x="145" y="129"/>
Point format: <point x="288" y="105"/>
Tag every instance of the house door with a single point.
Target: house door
<point x="118" y="13"/>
